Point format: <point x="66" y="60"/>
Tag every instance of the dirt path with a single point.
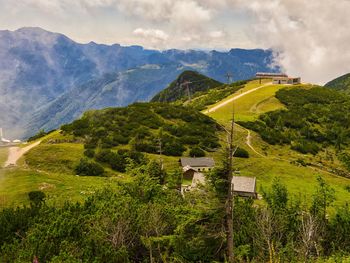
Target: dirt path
<point x="16" y="152"/>
<point x="236" y="97"/>
<point x="248" y="142"/>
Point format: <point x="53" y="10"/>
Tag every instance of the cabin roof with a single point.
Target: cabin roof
<point x="244" y="184"/>
<point x="197" y="162"/>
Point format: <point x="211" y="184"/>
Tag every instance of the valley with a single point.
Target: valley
<point x="48" y="167"/>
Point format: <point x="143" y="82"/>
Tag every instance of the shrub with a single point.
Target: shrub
<point x="103" y="156"/>
<point x="241" y="153"/>
<point x="347" y="188"/>
<point x="306" y="147"/>
<point x="197" y="152"/>
<point x="89" y="153"/>
<point x="89" y="168"/>
<point x="36" y="197"/>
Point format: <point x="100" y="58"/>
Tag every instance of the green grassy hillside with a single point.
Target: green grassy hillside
<point x="341" y="84"/>
<point x="114" y="139"/>
<point x="247" y="107"/>
<point x="49" y="167"/>
<point x="297" y="170"/>
<point x="177" y="90"/>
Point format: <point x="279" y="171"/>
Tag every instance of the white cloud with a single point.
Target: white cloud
<point x="217" y="34"/>
<point x="151" y="37"/>
<point x="153" y="34"/>
<point x="311" y="36"/>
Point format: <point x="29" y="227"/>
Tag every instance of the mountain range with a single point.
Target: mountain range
<point x="47" y="79"/>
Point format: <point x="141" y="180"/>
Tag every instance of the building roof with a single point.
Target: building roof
<point x="244" y="184"/>
<point x="197" y="162"/>
<point x="285" y="78"/>
<point x="269" y="74"/>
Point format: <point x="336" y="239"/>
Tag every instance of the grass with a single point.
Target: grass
<point x="58" y="187"/>
<point x="49" y="167"/>
<point x="249" y="86"/>
<point x="250" y="106"/>
<point x="3" y="155"/>
<point x="56" y="158"/>
<point x="300" y="181"/>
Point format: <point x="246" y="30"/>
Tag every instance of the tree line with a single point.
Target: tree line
<point x="148" y="220"/>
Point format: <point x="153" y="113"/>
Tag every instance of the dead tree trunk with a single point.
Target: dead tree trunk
<point x="229" y="198"/>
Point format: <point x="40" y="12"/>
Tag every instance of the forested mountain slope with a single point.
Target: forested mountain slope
<point x="341" y="83"/>
<point x="186" y="84"/>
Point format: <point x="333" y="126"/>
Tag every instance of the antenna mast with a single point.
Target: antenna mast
<point x="229" y="77"/>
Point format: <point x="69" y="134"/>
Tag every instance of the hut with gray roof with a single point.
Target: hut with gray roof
<point x="200" y="164"/>
<point x="244" y="186"/>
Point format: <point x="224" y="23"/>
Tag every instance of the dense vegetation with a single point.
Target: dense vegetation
<point x="143" y="127"/>
<point x="177" y="90"/>
<point x="315" y="118"/>
<point x="341" y="84"/>
<point x="141" y="221"/>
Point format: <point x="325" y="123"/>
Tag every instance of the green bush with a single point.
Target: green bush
<point x="36" y="197"/>
<point x="197" y="152"/>
<point x="306" y="147"/>
<point x="139" y="125"/>
<point x="241" y="153"/>
<point x="89" y="153"/>
<point x="313" y="117"/>
<point x="89" y="168"/>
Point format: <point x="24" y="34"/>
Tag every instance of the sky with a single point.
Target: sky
<point x="310" y="37"/>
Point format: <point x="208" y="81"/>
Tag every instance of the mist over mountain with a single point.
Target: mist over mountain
<point x="47" y="79"/>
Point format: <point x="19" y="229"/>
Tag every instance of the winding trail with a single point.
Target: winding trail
<point x="15" y="153"/>
<point x="235" y="98"/>
<point x="248" y="142"/>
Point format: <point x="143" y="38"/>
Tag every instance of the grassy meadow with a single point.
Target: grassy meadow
<point x="50" y="168"/>
<point x="276" y="161"/>
<point x="250" y="106"/>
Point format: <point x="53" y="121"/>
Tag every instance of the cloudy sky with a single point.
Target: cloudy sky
<point x="311" y="37"/>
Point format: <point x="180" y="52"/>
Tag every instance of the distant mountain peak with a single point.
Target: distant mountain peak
<point x="177" y="89"/>
<point x="45" y="77"/>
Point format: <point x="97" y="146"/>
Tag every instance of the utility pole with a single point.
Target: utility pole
<point x="187" y="85"/>
<point x="160" y="148"/>
<point x="229" y="77"/>
<point x="160" y="152"/>
<point x="229" y="199"/>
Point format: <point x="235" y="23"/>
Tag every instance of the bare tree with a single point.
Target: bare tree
<point x="309" y="235"/>
<point x="266" y="227"/>
<point x="229" y="198"/>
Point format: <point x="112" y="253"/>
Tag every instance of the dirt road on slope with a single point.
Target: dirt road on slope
<point x="235" y="98"/>
<point x="15" y="153"/>
<point x="248" y="142"/>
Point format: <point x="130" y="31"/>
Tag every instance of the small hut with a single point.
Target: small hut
<point x="244" y="186"/>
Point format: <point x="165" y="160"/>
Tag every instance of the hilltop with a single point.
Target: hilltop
<point x="341" y="83"/>
<point x="178" y="89"/>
